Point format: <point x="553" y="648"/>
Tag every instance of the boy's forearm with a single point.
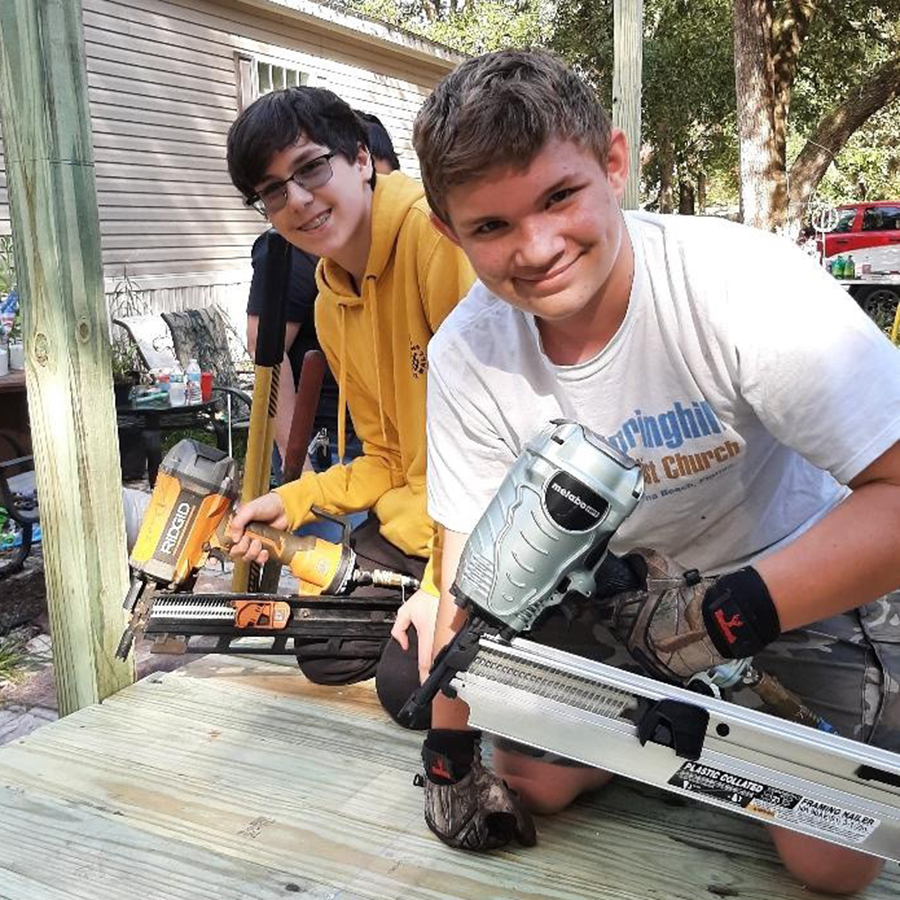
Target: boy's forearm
<point x="849" y="558"/>
<point x="447" y="713"/>
<point x="355" y="486"/>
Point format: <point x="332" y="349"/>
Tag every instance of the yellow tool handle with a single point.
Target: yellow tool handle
<point x="310" y="559"/>
<point x="258" y="459"/>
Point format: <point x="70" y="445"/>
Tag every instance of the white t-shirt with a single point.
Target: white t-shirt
<point x="743" y="377"/>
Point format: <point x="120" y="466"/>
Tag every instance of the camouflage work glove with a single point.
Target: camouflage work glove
<point x="679" y="624"/>
<point x="466" y="805"/>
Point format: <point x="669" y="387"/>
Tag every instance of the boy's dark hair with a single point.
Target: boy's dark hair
<point x="380" y="143"/>
<point x="277" y="119"/>
<point x="501" y="109"/>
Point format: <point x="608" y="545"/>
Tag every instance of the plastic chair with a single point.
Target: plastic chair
<point x="18" y="496"/>
<point x="167" y="340"/>
<point x="202" y="334"/>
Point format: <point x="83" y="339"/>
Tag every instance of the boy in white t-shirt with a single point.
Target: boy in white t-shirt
<point x="763" y="405"/>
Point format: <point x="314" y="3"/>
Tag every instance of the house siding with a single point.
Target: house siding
<point x="162" y="82"/>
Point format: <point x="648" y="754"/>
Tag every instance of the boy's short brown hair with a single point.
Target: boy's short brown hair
<point x="501" y="109"/>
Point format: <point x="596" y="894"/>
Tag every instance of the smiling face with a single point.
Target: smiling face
<point x="332" y="221"/>
<point x="549" y="239"/>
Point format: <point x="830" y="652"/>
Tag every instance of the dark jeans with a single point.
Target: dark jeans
<point x="395" y="670"/>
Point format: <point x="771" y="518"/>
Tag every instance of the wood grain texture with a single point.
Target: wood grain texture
<point x="234" y="778"/>
<point x="628" y="17"/>
<point x="53" y="204"/>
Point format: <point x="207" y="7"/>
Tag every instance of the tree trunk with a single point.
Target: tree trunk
<point x="788" y="33"/>
<point x="701" y="193"/>
<point x="666" y="172"/>
<point x="835" y="129"/>
<point x="763" y="182"/>
<point x="685" y="198"/>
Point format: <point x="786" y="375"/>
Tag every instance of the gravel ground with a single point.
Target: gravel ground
<point x="28" y="696"/>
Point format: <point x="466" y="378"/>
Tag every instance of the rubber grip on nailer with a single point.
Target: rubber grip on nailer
<point x="312" y="560"/>
<point x="280" y="545"/>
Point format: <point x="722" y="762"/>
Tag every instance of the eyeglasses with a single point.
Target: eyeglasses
<point x="311" y="175"/>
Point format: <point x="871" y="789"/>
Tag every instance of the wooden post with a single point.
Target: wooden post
<point x="628" y="18"/>
<point x="56" y="235"/>
<point x="274" y="274"/>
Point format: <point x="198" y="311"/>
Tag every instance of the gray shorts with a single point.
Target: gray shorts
<point x="846" y="668"/>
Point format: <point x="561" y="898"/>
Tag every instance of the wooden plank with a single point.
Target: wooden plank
<point x="242" y="767"/>
<point x="626" y="108"/>
<point x="73" y="425"/>
<point x="229" y="215"/>
<point x="172" y="154"/>
<point x="127" y="42"/>
<point x="199" y="250"/>
<point x="123" y="134"/>
<point x="112" y="18"/>
<point x="115" y="102"/>
<point x="142" y="67"/>
<point x="121" y="83"/>
<point x="161" y="166"/>
<point x="194" y="188"/>
<point x="173" y="241"/>
<point x="38" y="858"/>
<point x="235" y="231"/>
<point x="164" y="269"/>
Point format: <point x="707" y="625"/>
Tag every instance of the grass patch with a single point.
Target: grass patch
<point x="12" y="658"/>
<point x="239" y="441"/>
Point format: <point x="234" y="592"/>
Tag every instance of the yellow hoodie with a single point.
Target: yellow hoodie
<point x="375" y="342"/>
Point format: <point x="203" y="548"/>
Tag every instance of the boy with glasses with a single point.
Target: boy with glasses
<point x="763" y="405"/>
<point x="386" y="281"/>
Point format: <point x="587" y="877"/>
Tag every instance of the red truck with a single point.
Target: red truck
<point x="869" y="232"/>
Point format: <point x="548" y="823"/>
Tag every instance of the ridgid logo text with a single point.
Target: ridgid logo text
<point x="180" y="517"/>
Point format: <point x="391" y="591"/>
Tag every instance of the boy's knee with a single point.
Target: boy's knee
<point x="336" y="662"/>
<point x="825" y="867"/>
<point x="542" y="798"/>
<point x="547" y="788"/>
<point x="397" y="679"/>
<point x="337" y="671"/>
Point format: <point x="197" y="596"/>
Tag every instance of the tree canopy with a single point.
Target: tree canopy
<point x="817" y="100"/>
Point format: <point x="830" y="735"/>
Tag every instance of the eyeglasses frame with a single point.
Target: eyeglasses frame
<point x="256" y="201"/>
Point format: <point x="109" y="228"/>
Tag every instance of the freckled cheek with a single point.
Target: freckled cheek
<point x="488" y="264"/>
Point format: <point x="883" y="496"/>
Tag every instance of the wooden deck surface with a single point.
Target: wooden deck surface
<point x="235" y="779"/>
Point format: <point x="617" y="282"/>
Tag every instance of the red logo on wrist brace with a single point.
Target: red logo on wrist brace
<point x="439" y="770"/>
<point x="725" y="625"/>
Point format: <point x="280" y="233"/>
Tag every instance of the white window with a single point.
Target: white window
<point x="274" y="77"/>
<point x="258" y="76"/>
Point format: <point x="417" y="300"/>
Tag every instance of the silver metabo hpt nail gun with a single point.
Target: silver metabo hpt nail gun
<point x="543" y="541"/>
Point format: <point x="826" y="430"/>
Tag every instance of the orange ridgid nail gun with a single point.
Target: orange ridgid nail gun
<point x="189" y="518"/>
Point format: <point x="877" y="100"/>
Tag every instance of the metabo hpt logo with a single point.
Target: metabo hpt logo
<point x="175" y="528"/>
<point x="573" y="505"/>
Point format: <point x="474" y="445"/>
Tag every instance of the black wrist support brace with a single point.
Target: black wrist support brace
<point x="448" y="754"/>
<point x="739" y="614"/>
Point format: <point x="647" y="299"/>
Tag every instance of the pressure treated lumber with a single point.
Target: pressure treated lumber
<point x="236" y="778"/>
<point x="53" y="206"/>
<point x="628" y="57"/>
